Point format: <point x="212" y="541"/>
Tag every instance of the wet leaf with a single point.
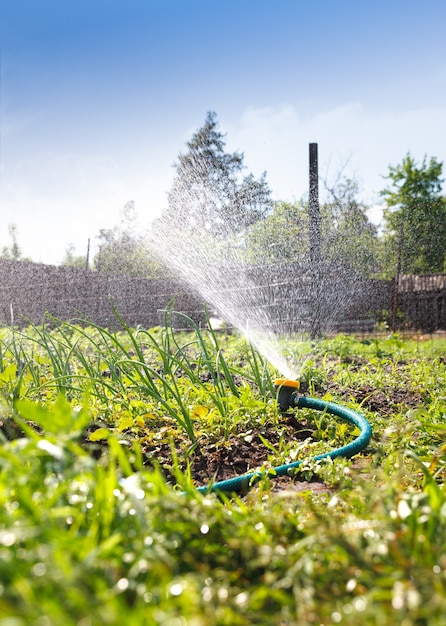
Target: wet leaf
<point x="99" y="434"/>
<point x="199" y="412"/>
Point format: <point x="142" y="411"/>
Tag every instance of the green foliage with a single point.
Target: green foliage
<point x="123" y="250"/>
<point x="134" y="377"/>
<point x="14" y="251"/>
<point x="348" y="238"/>
<point x="73" y="260"/>
<point x="87" y="540"/>
<point x="415" y="218"/>
<point x="282" y="237"/>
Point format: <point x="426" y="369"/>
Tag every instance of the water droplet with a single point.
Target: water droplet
<point x="7" y="538"/>
<point x="122" y="584"/>
<point x="176" y="589"/>
<point x="39" y="569"/>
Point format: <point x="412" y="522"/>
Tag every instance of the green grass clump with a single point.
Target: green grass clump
<point x="92" y="534"/>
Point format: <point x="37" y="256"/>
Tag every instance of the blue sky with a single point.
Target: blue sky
<point x="98" y="97"/>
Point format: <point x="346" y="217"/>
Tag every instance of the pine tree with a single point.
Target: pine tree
<point x="209" y="192"/>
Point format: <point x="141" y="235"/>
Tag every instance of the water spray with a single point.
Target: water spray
<point x="289" y="397"/>
<point x="217" y="268"/>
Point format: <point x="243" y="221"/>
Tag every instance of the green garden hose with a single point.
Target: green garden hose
<point x="289" y="397"/>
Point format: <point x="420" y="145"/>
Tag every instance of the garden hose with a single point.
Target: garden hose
<point x="288" y="397"/>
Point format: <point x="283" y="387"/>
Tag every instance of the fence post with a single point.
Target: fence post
<point x="314" y="220"/>
<point x="396" y="279"/>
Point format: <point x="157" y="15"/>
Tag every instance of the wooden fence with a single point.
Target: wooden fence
<point x="30" y="291"/>
<point x="421" y="302"/>
<point x="285" y="295"/>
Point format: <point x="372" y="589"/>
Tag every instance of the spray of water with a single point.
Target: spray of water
<point x="209" y="254"/>
<point x="201" y="237"/>
<point x="214" y="266"/>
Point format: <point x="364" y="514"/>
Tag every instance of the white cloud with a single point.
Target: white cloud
<point x="57" y="199"/>
<point x="276" y="140"/>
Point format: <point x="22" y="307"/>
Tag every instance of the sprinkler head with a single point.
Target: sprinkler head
<point x="287" y="393"/>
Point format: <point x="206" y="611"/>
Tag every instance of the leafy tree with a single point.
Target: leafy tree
<point x="13" y="252"/>
<point x="415" y="217"/>
<point x="209" y="193"/>
<point x="349" y="238"/>
<point x="122" y="250"/>
<point x="73" y="260"/>
<point x="282" y="237"/>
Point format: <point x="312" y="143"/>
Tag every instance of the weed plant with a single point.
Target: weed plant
<point x="93" y="539"/>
